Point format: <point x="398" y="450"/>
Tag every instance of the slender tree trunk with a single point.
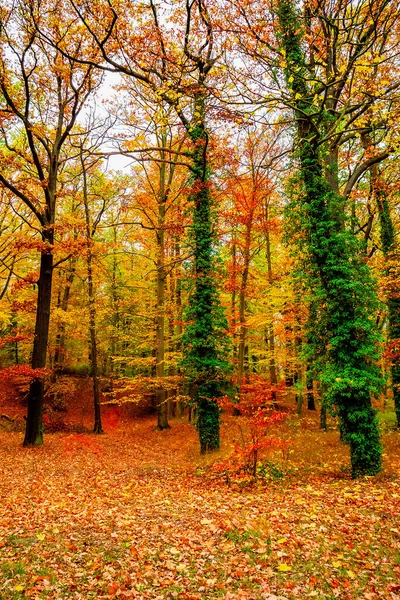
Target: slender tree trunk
<point x="171" y="393"/>
<point x="270" y="337"/>
<point x="92" y="311"/>
<point x="162" y="407"/>
<point x="242" y="305"/>
<point x="115" y="310"/>
<point x="59" y="354"/>
<point x="180" y="408"/>
<point x="233" y="313"/>
<point x="162" y="415"/>
<point x="310" y="392"/>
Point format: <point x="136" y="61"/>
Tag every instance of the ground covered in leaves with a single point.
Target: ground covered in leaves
<point x="135" y="513"/>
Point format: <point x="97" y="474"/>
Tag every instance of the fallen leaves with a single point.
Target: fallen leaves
<point x="119" y="517"/>
<point x="284" y="568"/>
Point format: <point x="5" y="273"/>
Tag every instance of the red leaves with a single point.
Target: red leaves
<point x="256" y="404"/>
<point x="13" y="339"/>
<point x="24" y="371"/>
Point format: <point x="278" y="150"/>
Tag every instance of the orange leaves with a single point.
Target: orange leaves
<point x="24" y="371"/>
<point x="256" y="435"/>
<point x="72" y="529"/>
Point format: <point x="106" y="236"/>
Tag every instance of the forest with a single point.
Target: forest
<point x="199" y="299"/>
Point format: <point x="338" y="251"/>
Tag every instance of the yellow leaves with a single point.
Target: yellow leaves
<point x="350" y="574"/>
<point x="281" y="541"/>
<point x="18" y="588"/>
<point x="284" y="568"/>
<point x="40" y="537"/>
<point x="298" y="96"/>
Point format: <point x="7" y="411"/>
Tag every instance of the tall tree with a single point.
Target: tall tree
<point x="160" y="183"/>
<point x="42" y="93"/>
<point x="349" y="369"/>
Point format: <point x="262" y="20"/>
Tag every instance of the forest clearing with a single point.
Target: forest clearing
<point x="136" y="513"/>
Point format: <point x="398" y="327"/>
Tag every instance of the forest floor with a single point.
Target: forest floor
<point x="136" y="513"/>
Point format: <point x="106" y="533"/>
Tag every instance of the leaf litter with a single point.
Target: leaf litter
<point x="137" y="514"/>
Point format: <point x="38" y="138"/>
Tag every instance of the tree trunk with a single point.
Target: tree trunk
<point x="115" y="311"/>
<point x="204" y="360"/>
<point x="310" y="392"/>
<point x="180" y="407"/>
<point x="162" y="414"/>
<point x="242" y="371"/>
<point x="34" y="420"/>
<point x="59" y="354"/>
<point x="97" y="428"/>
<point x="162" y="407"/>
<point x="387" y="235"/>
<point x="269" y="334"/>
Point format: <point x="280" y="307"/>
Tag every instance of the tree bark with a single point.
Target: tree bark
<point x="34" y="421"/>
<point x="59" y="354"/>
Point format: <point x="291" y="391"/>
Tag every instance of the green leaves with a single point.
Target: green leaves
<point x="341" y="331"/>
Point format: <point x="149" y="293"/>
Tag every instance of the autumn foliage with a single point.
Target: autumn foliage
<point x="199" y="218"/>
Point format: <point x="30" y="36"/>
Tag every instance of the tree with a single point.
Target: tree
<point x="42" y="95"/>
<point x="160" y="182"/>
<point x="345" y="285"/>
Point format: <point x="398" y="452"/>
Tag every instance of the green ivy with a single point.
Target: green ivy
<point x="205" y="340"/>
<point x="341" y="329"/>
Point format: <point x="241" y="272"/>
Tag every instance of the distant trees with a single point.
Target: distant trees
<point x="140" y="46"/>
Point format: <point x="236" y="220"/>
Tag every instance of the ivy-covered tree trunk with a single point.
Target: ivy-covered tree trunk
<point x="203" y="359"/>
<point x="350" y="372"/>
